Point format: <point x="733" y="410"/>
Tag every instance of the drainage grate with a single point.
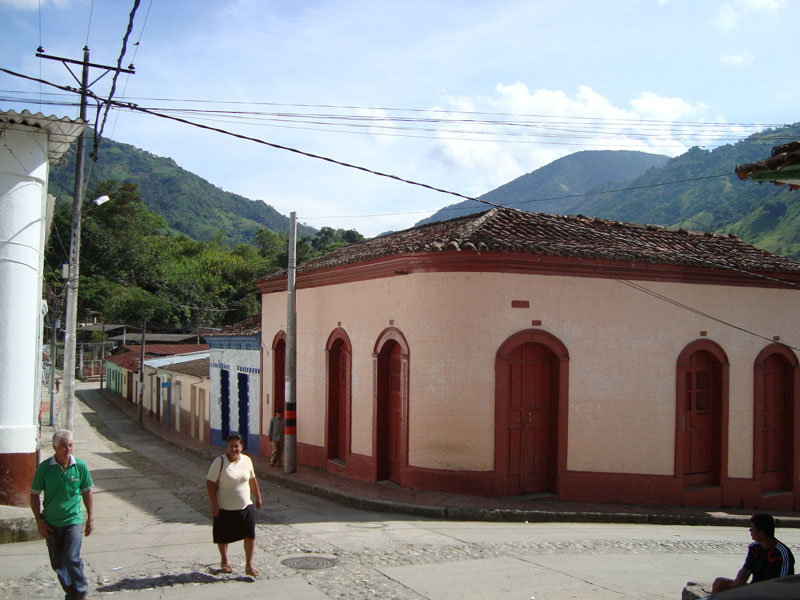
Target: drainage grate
<point x="308" y="562"/>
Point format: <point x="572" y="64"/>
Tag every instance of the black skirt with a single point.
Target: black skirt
<point x="234" y="525"/>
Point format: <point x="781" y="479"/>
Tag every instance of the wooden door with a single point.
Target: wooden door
<point x="701" y="421"/>
<point x="389" y="414"/>
<point x="776" y="420"/>
<point x="395" y="411"/>
<point x="279" y="377"/>
<point x="338" y="388"/>
<point x="344" y="387"/>
<point x="530" y="420"/>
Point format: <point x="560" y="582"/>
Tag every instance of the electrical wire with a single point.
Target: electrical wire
<point x="686" y="307"/>
<point x="411" y="182"/>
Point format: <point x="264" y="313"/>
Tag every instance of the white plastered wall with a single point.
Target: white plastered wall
<point x="623" y="346"/>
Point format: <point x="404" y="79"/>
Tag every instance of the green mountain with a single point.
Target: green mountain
<point x="190" y="204"/>
<point x="549" y="188"/>
<point x="697" y="190"/>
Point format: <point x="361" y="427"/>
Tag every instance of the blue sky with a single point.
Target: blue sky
<point x="398" y="85"/>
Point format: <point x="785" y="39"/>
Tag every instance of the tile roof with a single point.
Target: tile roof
<point x="512" y="230"/>
<point x="782" y="167"/>
<point x="249" y="326"/>
<point x="196" y="368"/>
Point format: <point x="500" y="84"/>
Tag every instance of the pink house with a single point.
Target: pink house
<point x="509" y="353"/>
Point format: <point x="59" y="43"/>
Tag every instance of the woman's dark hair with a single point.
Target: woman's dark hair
<point x="764" y="523"/>
<point x="234" y="437"/>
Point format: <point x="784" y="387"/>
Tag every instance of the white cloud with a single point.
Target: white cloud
<point x="32" y="5"/>
<point x="548" y="124"/>
<point x="757" y="5"/>
<point x="742" y="59"/>
<point x="727" y="17"/>
<point x="730" y="14"/>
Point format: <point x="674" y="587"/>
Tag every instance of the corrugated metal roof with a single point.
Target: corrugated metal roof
<point x="166" y="361"/>
<point x="61" y="131"/>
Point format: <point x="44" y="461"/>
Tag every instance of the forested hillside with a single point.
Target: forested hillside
<point x="189" y="204"/>
<point x="545" y="189"/>
<point x="697" y="190"/>
<point x="711" y="197"/>
<point x="132" y="267"/>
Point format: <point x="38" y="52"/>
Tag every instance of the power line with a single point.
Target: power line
<point x="686" y="307"/>
<point x="390" y="176"/>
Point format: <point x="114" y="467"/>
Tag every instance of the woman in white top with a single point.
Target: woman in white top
<point x="231" y="483"/>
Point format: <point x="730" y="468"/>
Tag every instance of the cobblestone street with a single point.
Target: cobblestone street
<point x="153" y="540"/>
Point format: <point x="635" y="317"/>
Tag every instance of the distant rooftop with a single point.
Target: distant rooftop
<point x="246" y="327"/>
<point x="782" y="167"/>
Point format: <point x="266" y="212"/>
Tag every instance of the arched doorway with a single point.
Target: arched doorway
<point x="390" y="431"/>
<point x="338" y="408"/>
<point x="278" y="372"/>
<point x="774" y="418"/>
<point x="702" y="392"/>
<point x="531" y="371"/>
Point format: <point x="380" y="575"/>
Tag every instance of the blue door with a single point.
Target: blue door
<point x="244" y="406"/>
<point x="225" y="403"/>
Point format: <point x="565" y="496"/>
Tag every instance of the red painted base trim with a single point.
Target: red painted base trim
<point x="16" y="475"/>
<point x="362" y="467"/>
<point x="573" y="486"/>
<point x="311" y="456"/>
<point x="615" y="488"/>
<point x="471" y="483"/>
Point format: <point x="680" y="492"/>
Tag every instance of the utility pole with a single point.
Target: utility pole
<point x="103" y="356"/>
<point x="141" y="374"/>
<point x="75" y="239"/>
<point x="290" y="389"/>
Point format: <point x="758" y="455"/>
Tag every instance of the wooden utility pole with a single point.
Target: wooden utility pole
<point x="141" y="374"/>
<point x="290" y="389"/>
<point x="71" y="324"/>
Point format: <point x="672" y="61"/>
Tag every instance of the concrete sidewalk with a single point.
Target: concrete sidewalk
<point x="16" y="523"/>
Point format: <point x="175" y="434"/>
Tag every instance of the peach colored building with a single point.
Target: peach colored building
<point x="510" y="353"/>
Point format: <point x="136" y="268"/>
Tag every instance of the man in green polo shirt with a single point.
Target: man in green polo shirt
<point x="64" y="479"/>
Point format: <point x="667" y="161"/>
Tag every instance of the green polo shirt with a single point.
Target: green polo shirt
<point x="63" y="489"/>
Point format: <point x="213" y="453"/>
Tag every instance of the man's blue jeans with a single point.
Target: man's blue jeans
<point x="64" y="546"/>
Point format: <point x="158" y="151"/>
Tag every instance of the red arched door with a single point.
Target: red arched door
<point x="278" y="375"/>
<point x="530" y="406"/>
<point x="390" y="412"/>
<point x="701" y="420"/>
<point x="774" y="419"/>
<point x="338" y="394"/>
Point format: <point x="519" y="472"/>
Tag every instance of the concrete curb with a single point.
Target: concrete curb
<point x="17" y="525"/>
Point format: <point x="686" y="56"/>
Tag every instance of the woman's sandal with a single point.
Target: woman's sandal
<point x="253" y="572"/>
<point x="226" y="568"/>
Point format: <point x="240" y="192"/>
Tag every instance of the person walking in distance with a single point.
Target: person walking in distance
<point x="65" y="480"/>
<point x="276" y="437"/>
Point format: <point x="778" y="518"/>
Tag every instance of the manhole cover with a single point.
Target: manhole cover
<point x="308" y="562"/>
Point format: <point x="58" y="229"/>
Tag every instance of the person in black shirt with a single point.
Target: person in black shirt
<point x="767" y="558"/>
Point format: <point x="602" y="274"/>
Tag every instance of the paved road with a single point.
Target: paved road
<point x="153" y="540"/>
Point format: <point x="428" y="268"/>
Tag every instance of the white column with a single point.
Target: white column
<point x="23" y="188"/>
